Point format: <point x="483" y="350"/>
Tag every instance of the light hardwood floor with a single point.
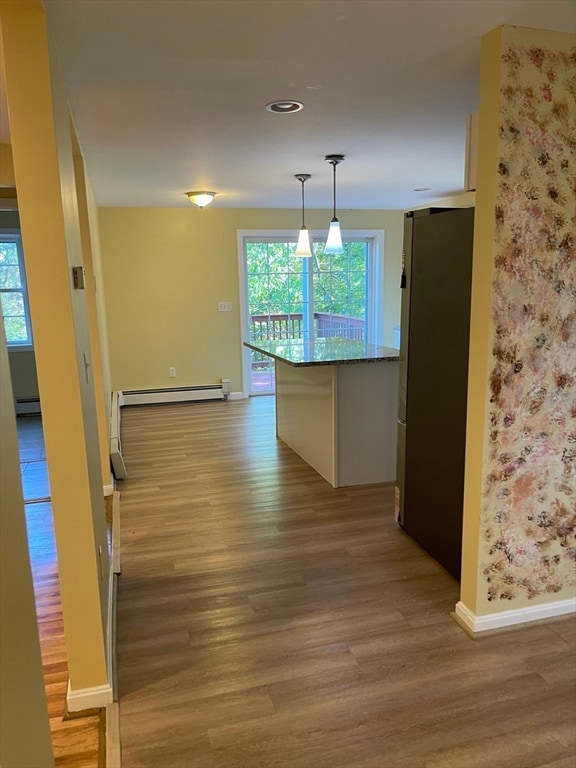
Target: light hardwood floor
<point x="266" y="619"/>
<point x="76" y="742"/>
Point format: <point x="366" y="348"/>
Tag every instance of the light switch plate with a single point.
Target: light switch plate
<point x="224" y="306"/>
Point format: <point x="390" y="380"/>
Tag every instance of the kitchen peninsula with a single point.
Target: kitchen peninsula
<point x="336" y="406"/>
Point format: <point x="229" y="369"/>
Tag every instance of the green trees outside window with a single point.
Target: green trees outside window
<point x="325" y="296"/>
<point x="13" y="292"/>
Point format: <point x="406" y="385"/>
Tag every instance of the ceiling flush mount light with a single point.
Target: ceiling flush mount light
<point x="334" y="241"/>
<point x="303" y="246"/>
<point x="284" y="107"/>
<point x="201" y="199"/>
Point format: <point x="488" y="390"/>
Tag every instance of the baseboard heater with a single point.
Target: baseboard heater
<point x="177" y="394"/>
<point x="116" y="460"/>
<point x="27" y="406"/>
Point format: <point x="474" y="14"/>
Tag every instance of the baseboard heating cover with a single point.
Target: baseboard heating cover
<point x="27" y="405"/>
<point x="118" y="466"/>
<point x="177" y="394"/>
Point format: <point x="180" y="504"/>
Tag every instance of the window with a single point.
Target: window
<point x="326" y="296"/>
<point x="13" y="295"/>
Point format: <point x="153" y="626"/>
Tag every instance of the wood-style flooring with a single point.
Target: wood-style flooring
<point x="76" y="742"/>
<point x="267" y="620"/>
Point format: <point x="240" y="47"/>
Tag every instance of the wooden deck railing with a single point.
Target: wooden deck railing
<point x="291" y="326"/>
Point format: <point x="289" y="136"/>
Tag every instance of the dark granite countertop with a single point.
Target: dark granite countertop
<point x="324" y="351"/>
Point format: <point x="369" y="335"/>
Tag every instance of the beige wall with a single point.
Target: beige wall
<point x="165" y="271"/>
<point x="519" y="488"/>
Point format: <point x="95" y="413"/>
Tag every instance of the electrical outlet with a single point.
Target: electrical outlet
<point x="172" y="372"/>
<point x="224" y="306"/>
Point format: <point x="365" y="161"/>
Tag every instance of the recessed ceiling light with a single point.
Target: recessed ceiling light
<point x="284" y="107"/>
<point x="421" y="189"/>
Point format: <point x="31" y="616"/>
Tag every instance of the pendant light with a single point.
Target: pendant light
<point x="303" y="245"/>
<point x="334" y="240"/>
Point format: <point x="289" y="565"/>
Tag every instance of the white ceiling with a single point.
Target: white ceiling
<point x="170" y="95"/>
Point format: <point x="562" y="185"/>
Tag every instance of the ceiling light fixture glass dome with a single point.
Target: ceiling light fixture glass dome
<point x="202" y="198"/>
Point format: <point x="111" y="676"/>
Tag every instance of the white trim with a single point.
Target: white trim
<point x="108" y="490"/>
<point x="13" y="235"/>
<point x="110" y="650"/>
<point x="237" y="396"/>
<point x="88" y="698"/>
<point x="243" y="301"/>
<point x="510" y="618"/>
<point x="115" y="559"/>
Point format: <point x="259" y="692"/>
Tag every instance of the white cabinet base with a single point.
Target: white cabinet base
<point x="341" y="419"/>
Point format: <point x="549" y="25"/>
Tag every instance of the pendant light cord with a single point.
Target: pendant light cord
<point x="302" y="182"/>
<point x="334" y="195"/>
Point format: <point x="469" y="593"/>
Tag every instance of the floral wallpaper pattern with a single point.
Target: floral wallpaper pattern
<point x="529" y="495"/>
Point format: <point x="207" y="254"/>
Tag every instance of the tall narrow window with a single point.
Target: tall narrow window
<point x="13" y="296"/>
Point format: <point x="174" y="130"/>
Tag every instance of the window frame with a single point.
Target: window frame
<point x="8" y="235"/>
<point x="374" y="291"/>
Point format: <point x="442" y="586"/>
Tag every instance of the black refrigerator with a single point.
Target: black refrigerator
<point x="435" y="325"/>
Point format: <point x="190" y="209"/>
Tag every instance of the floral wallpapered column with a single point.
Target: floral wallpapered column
<point x="528" y="511"/>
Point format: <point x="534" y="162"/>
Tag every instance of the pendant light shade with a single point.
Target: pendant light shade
<point x="334" y="240"/>
<point x="303" y="246"/>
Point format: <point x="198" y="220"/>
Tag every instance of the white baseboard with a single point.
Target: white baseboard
<point x="108" y="490"/>
<point x="236" y="396"/>
<point x="491" y="621"/>
<point x="101" y="695"/>
<point x="88" y="698"/>
<point x="110" y="628"/>
<point x="115" y="559"/>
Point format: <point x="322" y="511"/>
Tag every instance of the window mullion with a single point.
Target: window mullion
<point x="308" y="299"/>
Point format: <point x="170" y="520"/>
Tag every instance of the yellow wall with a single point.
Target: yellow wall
<point x="165" y="269"/>
<point x="42" y="149"/>
<point x="6" y="166"/>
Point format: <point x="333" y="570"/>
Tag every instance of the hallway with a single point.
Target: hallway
<point x="268" y="619"/>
